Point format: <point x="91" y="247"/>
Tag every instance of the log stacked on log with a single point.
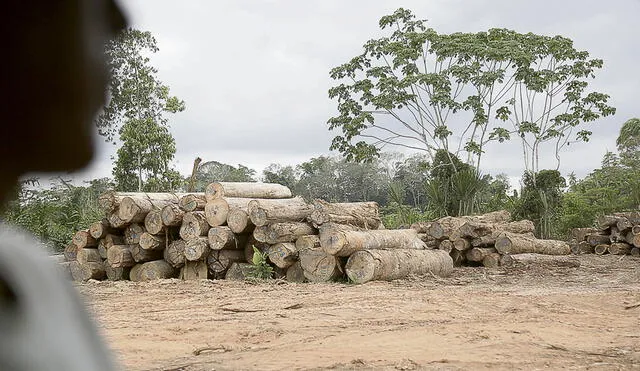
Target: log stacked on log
<point x="616" y="234"/>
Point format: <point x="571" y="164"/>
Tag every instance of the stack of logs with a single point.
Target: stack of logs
<point x="490" y="240"/>
<point x="616" y="234"/>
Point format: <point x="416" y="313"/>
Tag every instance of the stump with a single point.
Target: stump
<point x="295" y="273"/>
<point x="619" y="248"/>
<point x="239" y="222"/>
<point x="116" y="274"/>
<point x="288" y="232"/>
<point x="153" y="222"/>
<point x="196" y="249"/>
<point x="86" y="255"/>
<point x="172" y="215"/>
<point x="263" y="212"/>
<point x="345" y="243"/>
<point x="100" y="229"/>
<point x="194" y="270"/>
<point x="219" y="261"/>
<point x="119" y="256"/>
<point x="152" y="270"/>
<point x="386" y="265"/>
<point x="283" y="255"/>
<point x="239" y="271"/>
<point x="174" y="254"/>
<point x="246" y="190"/>
<point x="362" y="214"/>
<point x="84" y="239"/>
<point x="192" y="202"/>
<point x="518" y="244"/>
<point x="318" y="266"/>
<point x="194" y="224"/>
<point x="223" y="238"/>
<point x="149" y="241"/>
<point x="133" y="233"/>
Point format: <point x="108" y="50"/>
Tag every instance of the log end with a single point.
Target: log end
<point x="360" y="267"/>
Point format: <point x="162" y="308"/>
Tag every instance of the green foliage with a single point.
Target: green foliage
<point x="261" y="269"/>
<point x="136" y="113"/>
<point x="540" y="201"/>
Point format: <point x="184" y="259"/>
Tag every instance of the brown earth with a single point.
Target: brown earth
<point x="533" y="318"/>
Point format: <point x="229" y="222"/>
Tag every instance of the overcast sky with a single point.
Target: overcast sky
<point x="255" y="74"/>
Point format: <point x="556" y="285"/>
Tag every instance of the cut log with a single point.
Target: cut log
<point x="539" y="259"/>
<point x="421" y="227"/>
<point x="288" y="231"/>
<point x="624" y="224"/>
<point x="152" y="270"/>
<point x="194" y="270"/>
<point x="87" y="271"/>
<point x="223" y="238"/>
<point x="614" y="234"/>
<point x="86" y="255"/>
<point x="362" y="214"/>
<point x="318" y="266"/>
<point x="217" y="210"/>
<point x="246" y="190"/>
<point x="192" y="202"/>
<point x="116" y="274"/>
<point x="134" y="208"/>
<point x="115" y="221"/>
<point x="345" y="243"/>
<point x="172" y="215"/>
<point x="149" y="241"/>
<point x="153" y="222"/>
<point x="308" y="242"/>
<point x="71" y="252"/>
<point x="446" y="245"/>
<point x="375" y="265"/>
<point x="492" y="260"/>
<point x="119" y="256"/>
<point x="194" y="224"/>
<point x="477" y="254"/>
<point x="580" y="234"/>
<point x="635" y="229"/>
<point x="219" y="261"/>
<point x="601" y="249"/>
<point x="283" y="255"/>
<point x="490" y="240"/>
<point x="445" y="227"/>
<point x="197" y="248"/>
<point x="518" y="244"/>
<point x="263" y="212"/>
<point x="635" y="251"/>
<point x="133" y="233"/>
<point x="261" y="234"/>
<point x="582" y="247"/>
<point x="239" y="271"/>
<point x="619" y="248"/>
<point x="635" y="240"/>
<point x="84" y="239"/>
<point x="248" y="248"/>
<point x="102" y="248"/>
<point x="458" y="257"/>
<point x="597" y="239"/>
<point x="100" y="229"/>
<point x="113" y="239"/>
<point x="606" y="221"/>
<point x="431" y="242"/>
<point x="474" y="229"/>
<point x="141" y="255"/>
<point x="461" y="244"/>
<point x="174" y="254"/>
<point x="239" y="222"/>
<point x="295" y="273"/>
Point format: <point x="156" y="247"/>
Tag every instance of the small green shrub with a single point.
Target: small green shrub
<point x="261" y="269"/>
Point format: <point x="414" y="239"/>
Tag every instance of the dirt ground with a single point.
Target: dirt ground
<point x="533" y="318"/>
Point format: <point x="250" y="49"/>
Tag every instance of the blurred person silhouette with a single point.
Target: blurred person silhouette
<point x="55" y="79"/>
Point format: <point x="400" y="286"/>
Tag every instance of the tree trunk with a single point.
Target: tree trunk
<point x="580" y="234"/>
<point x="115" y="221"/>
<point x="71" y="252"/>
<point x="519" y="244"/>
<point x="477" y="254"/>
<point x="248" y="248"/>
<point x="152" y="270"/>
<point x="345" y="243"/>
<point x="461" y="244"/>
<point x="134" y="209"/>
<point x="446" y="245"/>
<point x="149" y="241"/>
<point x="222" y="238"/>
<point x="171" y="215"/>
<point x="239" y="222"/>
<point x="192" y="202"/>
<point x="597" y="239"/>
<point x="120" y="256"/>
<point x="362" y="214"/>
<point x="318" y="266"/>
<point x="141" y="255"/>
<point x="263" y="212"/>
<point x="239" y="271"/>
<point x="194" y="224"/>
<point x="475" y="229"/>
<point x="288" y="232"/>
<point x="308" y="242"/>
<point x="582" y="247"/>
<point x="295" y="273"/>
<point x="174" y="253"/>
<point x="539" y="259"/>
<point x="153" y="222"/>
<point x="219" y="261"/>
<point x="601" y="249"/>
<point x="492" y="260"/>
<point x="619" y="248"/>
<point x="217" y="210"/>
<point x="116" y="274"/>
<point x="246" y="190"/>
<point x="196" y="249"/>
<point x="194" y="270"/>
<point x="84" y="239"/>
<point x="283" y="255"/>
<point x="87" y="271"/>
<point x="86" y="255"/>
<point x="100" y="229"/>
<point x="376" y="265"/>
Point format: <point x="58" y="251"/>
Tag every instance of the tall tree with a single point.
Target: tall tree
<point x="136" y="113"/>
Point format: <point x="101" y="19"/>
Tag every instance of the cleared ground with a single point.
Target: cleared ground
<point x="533" y="318"/>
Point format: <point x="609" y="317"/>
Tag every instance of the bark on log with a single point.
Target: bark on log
<point x="84" y="239"/>
<point x="133" y="233"/>
<point x="134" y="209"/>
<point x="518" y="244"/>
<point x="283" y="255"/>
<point x="582" y="247"/>
<point x="492" y="260"/>
<point x="318" y="266"/>
<point x="174" y="254"/>
<point x="461" y="244"/>
<point x="119" y="256"/>
<point x="580" y="234"/>
<point x="345" y="243"/>
<point x="248" y="248"/>
<point x="446" y="245"/>
<point x="197" y="248"/>
<point x="141" y="255"/>
<point x="375" y="265"/>
<point x="172" y="215"/>
<point x="87" y="271"/>
<point x="153" y="222"/>
<point x="295" y="273"/>
<point x="192" y="202"/>
<point x="246" y="190"/>
<point x="217" y="210"/>
<point x="490" y="240"/>
<point x="475" y="229"/>
<point x="239" y="222"/>
<point x="71" y="252"/>
<point x="194" y="270"/>
<point x="308" y="242"/>
<point x="86" y="255"/>
<point x="115" y="221"/>
<point x="539" y="259"/>
<point x="100" y="229"/>
<point x="219" y="261"/>
<point x="239" y="271"/>
<point x="601" y="249"/>
<point x="116" y="274"/>
<point x="223" y="238"/>
<point x="597" y="239"/>
<point x="288" y="232"/>
<point x="194" y="224"/>
<point x="421" y="227"/>
<point x="362" y="214"/>
<point x="477" y="254"/>
<point x="619" y="248"/>
<point x="149" y="241"/>
<point x="263" y="212"/>
<point x="152" y="270"/>
<point x="445" y="227"/>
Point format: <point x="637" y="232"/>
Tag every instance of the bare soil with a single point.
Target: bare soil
<point x="523" y="318"/>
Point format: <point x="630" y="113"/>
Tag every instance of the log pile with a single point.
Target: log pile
<point x="616" y="234"/>
<point x="489" y="240"/>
